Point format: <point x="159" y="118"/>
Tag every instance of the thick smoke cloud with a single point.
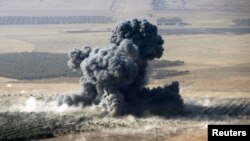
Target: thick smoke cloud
<point x="114" y="77"/>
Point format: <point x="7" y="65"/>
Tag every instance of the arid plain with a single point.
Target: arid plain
<point x="206" y="37"/>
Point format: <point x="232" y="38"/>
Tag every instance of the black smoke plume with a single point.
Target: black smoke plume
<point x="114" y="77"/>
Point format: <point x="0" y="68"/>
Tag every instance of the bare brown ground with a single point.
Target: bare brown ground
<point x="211" y="59"/>
<point x="199" y="135"/>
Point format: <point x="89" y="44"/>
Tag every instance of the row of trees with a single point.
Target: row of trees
<point x="171" y="21"/>
<point x="166" y="63"/>
<point x="24" y="20"/>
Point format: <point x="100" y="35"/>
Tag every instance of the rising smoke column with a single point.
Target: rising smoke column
<point x="114" y="77"/>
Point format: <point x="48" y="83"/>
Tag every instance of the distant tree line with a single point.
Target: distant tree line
<point x="171" y="21"/>
<point x="34" y="20"/>
<point x="208" y="30"/>
<point x="166" y="63"/>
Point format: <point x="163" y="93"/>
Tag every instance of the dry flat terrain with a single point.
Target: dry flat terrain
<point x="209" y="38"/>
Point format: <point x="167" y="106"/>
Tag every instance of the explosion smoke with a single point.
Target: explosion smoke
<point x="114" y="77"/>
